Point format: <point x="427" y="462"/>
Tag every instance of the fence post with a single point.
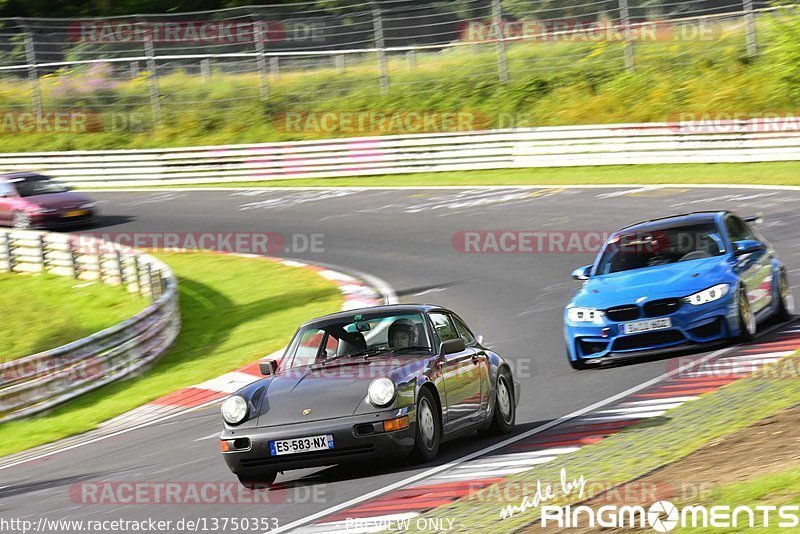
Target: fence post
<point x="150" y="286"/>
<point x="497" y="22"/>
<point x="137" y="275"/>
<point x="261" y="63"/>
<point x="120" y="268"/>
<point x="274" y="66"/>
<point x="205" y="69"/>
<point x="42" y="254"/>
<point x="338" y="61"/>
<point x="152" y="75"/>
<point x="625" y="20"/>
<point x="73" y="259"/>
<point x="33" y="75"/>
<point x="377" y="26"/>
<point x="750" y="28"/>
<point x="412" y="60"/>
<point x="134" y="70"/>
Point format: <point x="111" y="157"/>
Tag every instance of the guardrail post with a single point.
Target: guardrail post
<point x="73" y="259"/>
<point x="137" y="274"/>
<point x="8" y="253"/>
<point x="150" y="285"/>
<point x="134" y="69"/>
<point x="120" y="267"/>
<point x="625" y="20"/>
<point x="497" y="22"/>
<point x="338" y="62"/>
<point x="750" y="28"/>
<point x="33" y="75"/>
<point x="411" y="59"/>
<point x="261" y="62"/>
<point x="274" y="66"/>
<point x="42" y="256"/>
<point x="377" y="25"/>
<point x="152" y="76"/>
<point x="100" y="266"/>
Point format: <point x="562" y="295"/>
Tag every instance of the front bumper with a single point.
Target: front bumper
<point x="692" y="326"/>
<point x="351" y="443"/>
<point x="60" y="220"/>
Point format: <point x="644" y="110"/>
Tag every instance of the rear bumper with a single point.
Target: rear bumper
<point x="350" y="443"/>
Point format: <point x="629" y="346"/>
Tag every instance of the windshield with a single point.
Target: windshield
<point x="358" y="335"/>
<point x="30" y="186"/>
<point x="660" y="247"/>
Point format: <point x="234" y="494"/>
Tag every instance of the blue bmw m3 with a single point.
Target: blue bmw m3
<point x="672" y="284"/>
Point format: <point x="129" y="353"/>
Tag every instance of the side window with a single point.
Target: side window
<point x="6" y="189"/>
<point x="738" y="229"/>
<point x="444" y="327"/>
<point x="464" y="332"/>
<point x="308" y="347"/>
<point x="331" y="347"/>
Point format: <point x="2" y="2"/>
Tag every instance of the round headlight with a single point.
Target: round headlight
<point x="234" y="410"/>
<point x="381" y="392"/>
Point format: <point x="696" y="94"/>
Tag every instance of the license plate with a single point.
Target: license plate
<point x="76" y="213"/>
<point x="300" y="445"/>
<point x="646" y="326"/>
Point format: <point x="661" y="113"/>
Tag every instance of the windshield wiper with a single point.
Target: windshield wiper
<point x="411" y="348"/>
<point x="369" y="352"/>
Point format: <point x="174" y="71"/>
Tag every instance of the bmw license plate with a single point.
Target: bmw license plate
<point x="647" y="326"/>
<point x="299" y="445"/>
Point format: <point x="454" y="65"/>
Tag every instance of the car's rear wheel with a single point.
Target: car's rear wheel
<point x="505" y="409"/>
<point x="260" y="482"/>
<point x="747" y="318"/>
<point x="785" y="298"/>
<point x="429" y="428"/>
<point x="21" y="220"/>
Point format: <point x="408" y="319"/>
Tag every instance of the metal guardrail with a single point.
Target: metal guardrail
<point x="41" y="381"/>
<point x="623" y="144"/>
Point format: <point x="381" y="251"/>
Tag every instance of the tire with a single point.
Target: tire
<point x="21" y="221"/>
<point x="504" y="414"/>
<point x="785" y="298"/>
<point x="429" y="428"/>
<point x="747" y="318"/>
<point x="578" y="364"/>
<point x="260" y="482"/>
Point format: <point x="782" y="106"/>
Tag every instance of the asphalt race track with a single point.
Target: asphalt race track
<point x="405" y="237"/>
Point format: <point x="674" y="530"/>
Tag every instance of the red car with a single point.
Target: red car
<point x="30" y="200"/>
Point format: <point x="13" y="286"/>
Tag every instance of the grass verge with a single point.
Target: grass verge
<point x="631" y="453"/>
<point x="44" y="312"/>
<point x="769" y="173"/>
<point x="234" y="310"/>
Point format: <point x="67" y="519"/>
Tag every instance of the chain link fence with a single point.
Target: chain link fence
<point x="71" y="63"/>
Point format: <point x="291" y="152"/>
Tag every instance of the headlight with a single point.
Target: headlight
<point x="585" y="315"/>
<point x="234" y="410"/>
<point x="88" y="205"/>
<point x="708" y="295"/>
<point x="381" y="392"/>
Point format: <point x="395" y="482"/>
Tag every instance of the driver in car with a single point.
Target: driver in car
<point x="402" y="333"/>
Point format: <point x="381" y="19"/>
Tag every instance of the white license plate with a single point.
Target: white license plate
<point x="299" y="445"/>
<point x="647" y="326"/>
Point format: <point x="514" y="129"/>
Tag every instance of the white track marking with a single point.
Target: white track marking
<point x="643" y="409"/>
<point x="477" y="475"/>
<point x="624" y="417"/>
<point x="658" y="401"/>
<point x="506" y="463"/>
<point x="440" y="187"/>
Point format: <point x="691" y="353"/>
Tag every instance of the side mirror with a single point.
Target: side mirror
<point x="747" y="246"/>
<point x="479" y="339"/>
<point x="582" y="273"/>
<point x="452" y="346"/>
<point x="268" y="367"/>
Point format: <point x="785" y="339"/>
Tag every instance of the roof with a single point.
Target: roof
<point x="13" y="175"/>
<point x="389" y="308"/>
<point x="696" y="217"/>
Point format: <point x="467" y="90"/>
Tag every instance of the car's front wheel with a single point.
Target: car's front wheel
<point x="747" y="318"/>
<point x="21" y="221"/>
<point x="785" y="298"/>
<point x="429" y="428"/>
<point x="260" y="482"/>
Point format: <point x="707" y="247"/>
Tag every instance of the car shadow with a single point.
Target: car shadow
<point x="448" y="452"/>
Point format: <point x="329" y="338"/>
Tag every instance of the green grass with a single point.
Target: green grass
<point x="41" y="312"/>
<point x="234" y="310"/>
<point x="770" y="173"/>
<point x="551" y="83"/>
<point x="631" y="453"/>
<point x="776" y="489"/>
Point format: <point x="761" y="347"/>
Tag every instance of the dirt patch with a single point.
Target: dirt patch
<point x="769" y="446"/>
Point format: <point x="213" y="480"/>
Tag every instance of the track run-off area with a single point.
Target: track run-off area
<point x="418" y="241"/>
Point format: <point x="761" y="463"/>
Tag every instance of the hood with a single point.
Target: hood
<point x="62" y="201"/>
<point x="329" y="392"/>
<point x="672" y="280"/>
